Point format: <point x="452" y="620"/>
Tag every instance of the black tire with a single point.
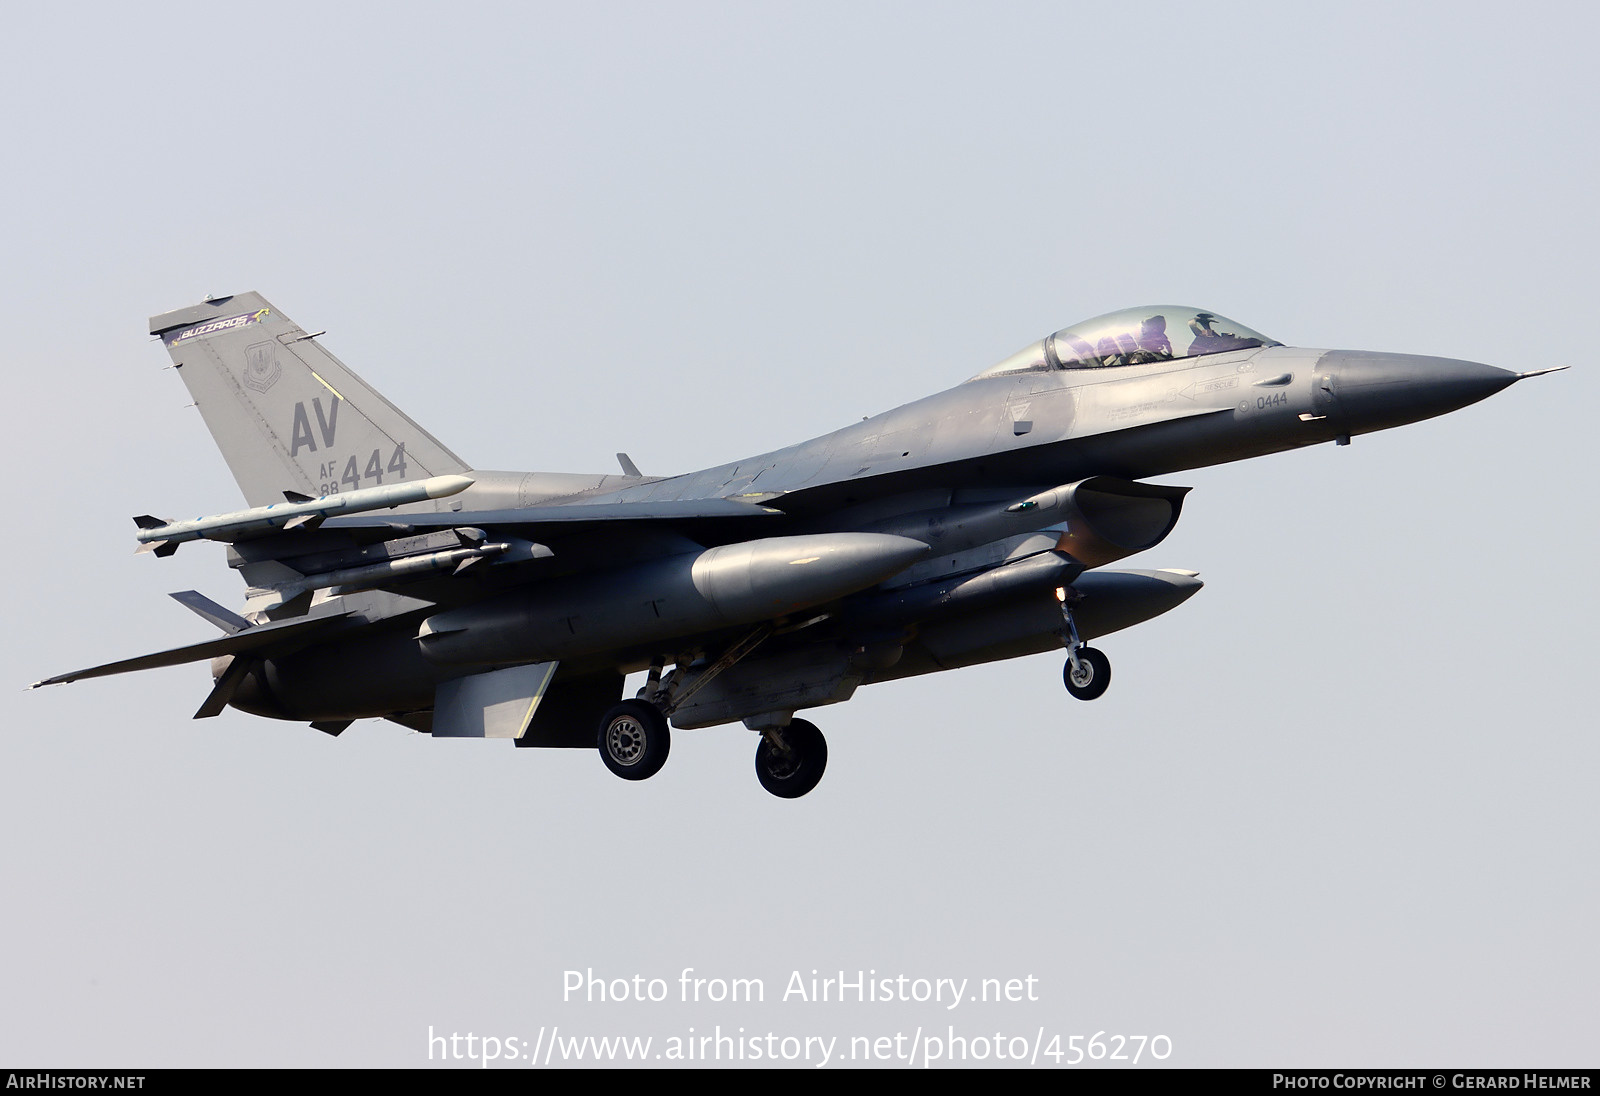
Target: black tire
<point x="634" y="739"/>
<point x="1094" y="676"/>
<point x="791" y="775"/>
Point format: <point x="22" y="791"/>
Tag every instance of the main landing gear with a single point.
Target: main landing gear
<point x="1087" y="673"/>
<point x="790" y="760"/>
<point x="635" y="737"/>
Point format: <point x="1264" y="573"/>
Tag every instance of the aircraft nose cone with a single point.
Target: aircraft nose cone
<point x="1376" y="391"/>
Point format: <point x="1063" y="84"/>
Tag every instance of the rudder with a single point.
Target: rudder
<point x="287" y="414"/>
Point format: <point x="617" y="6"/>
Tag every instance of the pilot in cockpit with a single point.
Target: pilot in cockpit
<point x="1153" y="344"/>
<point x="1208" y="340"/>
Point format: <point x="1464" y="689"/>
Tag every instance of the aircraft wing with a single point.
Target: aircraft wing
<point x="569" y="517"/>
<point x="286" y="633"/>
<point x="372" y="551"/>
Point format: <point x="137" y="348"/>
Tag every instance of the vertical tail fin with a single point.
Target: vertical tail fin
<point x="287" y="415"/>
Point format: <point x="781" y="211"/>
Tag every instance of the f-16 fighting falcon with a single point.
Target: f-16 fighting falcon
<point x="387" y="578"/>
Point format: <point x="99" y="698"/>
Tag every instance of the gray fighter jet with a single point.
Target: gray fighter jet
<point x="387" y="578"/>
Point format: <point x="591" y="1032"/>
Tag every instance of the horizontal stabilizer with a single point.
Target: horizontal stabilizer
<point x="251" y="639"/>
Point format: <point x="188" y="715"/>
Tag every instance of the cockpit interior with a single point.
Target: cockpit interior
<point x="1133" y="336"/>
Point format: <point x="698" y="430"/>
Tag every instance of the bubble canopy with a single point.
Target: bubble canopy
<point x="1133" y="336"/>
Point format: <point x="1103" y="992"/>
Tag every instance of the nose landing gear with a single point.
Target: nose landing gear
<point x="1087" y="673"/>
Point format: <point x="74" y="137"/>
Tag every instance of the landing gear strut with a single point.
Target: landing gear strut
<point x="1087" y="673"/>
<point x="634" y="737"/>
<point x="790" y="760"/>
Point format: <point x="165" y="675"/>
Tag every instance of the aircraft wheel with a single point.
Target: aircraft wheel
<point x="634" y="740"/>
<point x="791" y="775"/>
<point x="1093" y="676"/>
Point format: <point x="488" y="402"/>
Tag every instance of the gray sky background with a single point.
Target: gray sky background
<point x="1338" y="809"/>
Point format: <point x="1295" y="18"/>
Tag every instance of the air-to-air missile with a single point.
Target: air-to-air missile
<point x="473" y="547"/>
<point x="300" y="511"/>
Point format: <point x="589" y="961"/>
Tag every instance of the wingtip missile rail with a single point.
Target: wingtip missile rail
<point x="163" y="538"/>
